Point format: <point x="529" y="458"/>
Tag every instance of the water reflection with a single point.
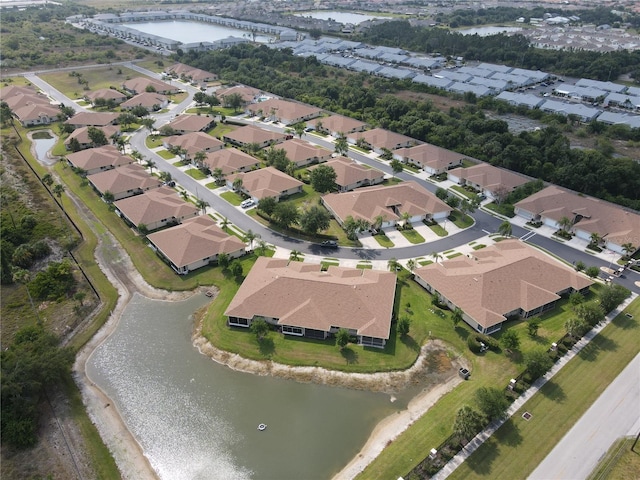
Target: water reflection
<point x="196" y="419"/>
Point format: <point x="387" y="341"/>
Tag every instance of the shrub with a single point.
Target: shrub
<point x="473" y="344"/>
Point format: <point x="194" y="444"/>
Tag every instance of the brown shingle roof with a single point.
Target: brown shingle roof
<point x="194" y="142"/>
<point x="490" y="177"/>
<point x="300" y="151"/>
<point x="154" y="206"/>
<point x="252" y="134"/>
<point x="500" y="279"/>
<point x="35" y="111"/>
<point x="106" y="93"/>
<point x="123" y="179"/>
<point x="140" y="84"/>
<point x="190" y="123"/>
<point x="338" y="123"/>
<point x="230" y="160"/>
<point x="349" y="172"/>
<point x="247" y="93"/>
<point x="381" y="138"/>
<point x="432" y="156"/>
<point x="100" y="157"/>
<point x="82" y="133"/>
<point x="193" y="240"/>
<point x="145" y="99"/>
<point x="369" y="202"/>
<point x="266" y="182"/>
<point x="96" y="119"/>
<point x="302" y="295"/>
<point x="607" y="220"/>
<point x="285" y="109"/>
<point x="21" y="100"/>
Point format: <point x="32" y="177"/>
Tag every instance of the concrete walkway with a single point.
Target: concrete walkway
<point x="479" y="439"/>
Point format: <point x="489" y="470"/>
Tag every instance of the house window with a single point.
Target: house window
<point x="238" y="322"/>
<point x="288" y="330"/>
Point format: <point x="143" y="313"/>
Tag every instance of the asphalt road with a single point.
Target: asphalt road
<point x="616" y="413"/>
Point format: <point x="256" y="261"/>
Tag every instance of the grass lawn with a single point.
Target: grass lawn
<point x="460" y="220"/>
<point x="233" y="198"/>
<point x="166" y="154"/>
<point x="196" y="174"/>
<point x="557" y="406"/>
<point x="153" y="141"/>
<point x="99" y="77"/>
<point x="364" y="266"/>
<point x="424" y="263"/>
<point x="398" y="354"/>
<point x="479" y="246"/>
<point x="212" y="185"/>
<point x="325" y="264"/>
<point x="438" y="230"/>
<point x="384" y="241"/>
<point x="463" y="191"/>
<point x="413" y="236"/>
<point x="504" y="210"/>
<point x="222" y="129"/>
<point x="454" y="255"/>
<point x="619" y="462"/>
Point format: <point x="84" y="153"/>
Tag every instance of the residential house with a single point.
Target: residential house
<point x="266" y="182"/>
<point x="230" y="160"/>
<point x="302" y="300"/>
<point x="195" y="243"/>
<point x="335" y="125"/>
<point x="92" y="119"/>
<point x="380" y="140"/>
<point x="432" y="159"/>
<point x="156" y="208"/>
<point x="108" y="94"/>
<point x="99" y="159"/>
<point x="193" y="143"/>
<point x="145" y="84"/>
<point x="615" y="225"/>
<point x="36" y="114"/>
<point x="507" y="280"/>
<point x="194" y="75"/>
<point x="284" y="111"/>
<point x="492" y="181"/>
<point x="82" y="135"/>
<point x="248" y="94"/>
<point x="304" y="153"/>
<point x="21" y="100"/>
<point x="125" y="181"/>
<point x="350" y="174"/>
<point x="252" y="135"/>
<point x="191" y="123"/>
<point x="387" y="203"/>
<point x="152" y="101"/>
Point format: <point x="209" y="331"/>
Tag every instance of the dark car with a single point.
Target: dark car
<point x="330" y="244"/>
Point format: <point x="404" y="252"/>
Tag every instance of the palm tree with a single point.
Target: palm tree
<point x="249" y="237"/>
<point x="262" y="247"/>
<point x="218" y="176"/>
<point x="628" y="249"/>
<point x="23" y="277"/>
<point x="411" y="264"/>
<point x="565" y="223"/>
<point x="295" y="255"/>
<point x="456" y="316"/>
<point x="436" y="256"/>
<point x="136" y="155"/>
<point x="185" y="195"/>
<point x="224" y="224"/>
<point x="108" y="197"/>
<point x="341" y="145"/>
<point x="378" y="221"/>
<point x="165" y="177"/>
<point x="202" y="205"/>
<point x="406" y="216"/>
<point x="199" y="158"/>
<point x="595" y="239"/>
<point x="505" y="229"/>
<point x="237" y="184"/>
<point x="58" y="190"/>
<point x="47" y="179"/>
<point x="150" y="164"/>
<point x="393" y="264"/>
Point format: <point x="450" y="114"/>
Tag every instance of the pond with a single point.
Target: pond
<point x="486" y="31"/>
<point x="340" y="17"/>
<point x="194" y="32"/>
<point x="43" y="142"/>
<point x="197" y="419"/>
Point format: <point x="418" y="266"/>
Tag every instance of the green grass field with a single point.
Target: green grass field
<point x="517" y="448"/>
<point x="620" y="462"/>
<point x="166" y="154"/>
<point x="100" y="77"/>
<point x="413" y="236"/>
<point x="233" y="198"/>
<point x="384" y="241"/>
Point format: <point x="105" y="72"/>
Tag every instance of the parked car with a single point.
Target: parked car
<point x="330" y="244"/>
<point x="247" y="203"/>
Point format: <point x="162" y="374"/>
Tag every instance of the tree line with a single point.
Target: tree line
<point x="544" y="154"/>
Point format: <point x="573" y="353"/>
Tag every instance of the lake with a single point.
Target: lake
<point x="193" y="32"/>
<point x="486" y="31"/>
<point x="196" y="419"/>
<point x="42" y="143"/>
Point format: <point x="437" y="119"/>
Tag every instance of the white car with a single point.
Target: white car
<point x="247" y="203"/>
